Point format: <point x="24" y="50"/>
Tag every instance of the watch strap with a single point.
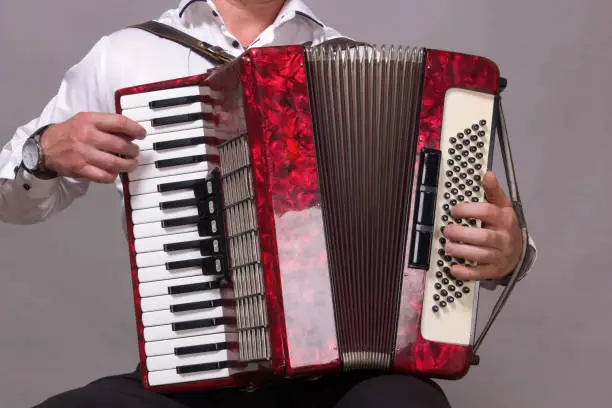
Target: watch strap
<point x="37" y="171"/>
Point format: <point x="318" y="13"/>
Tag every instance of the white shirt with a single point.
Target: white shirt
<point x="122" y="59"/>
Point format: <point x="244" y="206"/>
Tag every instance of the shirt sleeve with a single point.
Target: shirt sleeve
<point x="24" y="198"/>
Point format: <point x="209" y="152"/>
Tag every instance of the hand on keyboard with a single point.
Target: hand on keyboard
<point x="94" y="146"/>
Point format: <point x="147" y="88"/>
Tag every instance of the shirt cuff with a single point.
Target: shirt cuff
<point x="530" y="257"/>
<point x="33" y="186"/>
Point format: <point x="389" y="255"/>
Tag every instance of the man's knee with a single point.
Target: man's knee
<point x="395" y="391"/>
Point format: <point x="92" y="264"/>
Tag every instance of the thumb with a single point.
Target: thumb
<point x="494" y="193"/>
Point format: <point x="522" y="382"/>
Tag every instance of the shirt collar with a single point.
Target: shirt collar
<point x="291" y="9"/>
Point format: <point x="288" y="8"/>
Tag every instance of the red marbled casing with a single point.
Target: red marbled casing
<point x="278" y="119"/>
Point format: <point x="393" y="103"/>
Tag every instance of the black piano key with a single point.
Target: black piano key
<point x="202" y="188"/>
<point x="201" y="348"/>
<point x="180" y="161"/>
<point x="188" y="141"/>
<point x="188" y="307"/>
<point x="196" y="368"/>
<point x="206" y="206"/>
<point x="207" y="226"/>
<point x="181" y="246"/>
<point x="188" y="202"/>
<point x="181" y="221"/>
<point x="170" y="102"/>
<point x="179" y="185"/>
<point x="213" y="265"/>
<point x="207" y="247"/>
<point x="194" y="287"/>
<point x="202" y="323"/>
<point x="178" y="119"/>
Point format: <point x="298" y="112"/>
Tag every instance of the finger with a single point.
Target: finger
<point x="473" y="273"/>
<point x="118" y="124"/>
<point x="488" y="213"/>
<point x="97" y="174"/>
<point x="109" y="162"/>
<point x="483" y="237"/>
<point x="472" y="253"/>
<point x="113" y="143"/>
<point x="493" y="190"/>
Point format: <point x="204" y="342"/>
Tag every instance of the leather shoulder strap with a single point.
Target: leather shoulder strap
<point x="214" y="54"/>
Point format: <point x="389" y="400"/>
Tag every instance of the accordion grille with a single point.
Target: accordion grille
<point x="364" y="114"/>
<point x="245" y="255"/>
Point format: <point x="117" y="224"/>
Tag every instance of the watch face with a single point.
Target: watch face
<point x="30" y="154"/>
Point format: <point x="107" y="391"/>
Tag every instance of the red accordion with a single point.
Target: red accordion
<point x="287" y="213"/>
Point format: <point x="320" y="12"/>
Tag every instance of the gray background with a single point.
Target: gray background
<point x="65" y="301"/>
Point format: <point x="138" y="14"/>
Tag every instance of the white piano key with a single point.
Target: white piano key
<point x="164" y="377"/>
<point x="196" y="124"/>
<point x="144" y="98"/>
<point x="151" y="156"/>
<point x="142" y="201"/>
<point x="158" y="288"/>
<point x="149" y="215"/>
<point x="145" y="113"/>
<point x="165" y="332"/>
<point x="146" y="259"/>
<point x="148" y="186"/>
<point x="163" y="302"/>
<point x="171" y="361"/>
<point x="160" y="258"/>
<point x="156" y="273"/>
<point x="149" y="171"/>
<point x="153" y="244"/>
<point x="159" y="348"/>
<point x="160" y="317"/>
<point x="153" y="229"/>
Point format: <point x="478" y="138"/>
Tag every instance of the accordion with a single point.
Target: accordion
<point x="286" y="218"/>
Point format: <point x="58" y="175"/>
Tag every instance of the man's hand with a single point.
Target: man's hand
<point x="87" y="146"/>
<point x="496" y="248"/>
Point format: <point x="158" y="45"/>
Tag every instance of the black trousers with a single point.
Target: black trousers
<point x="355" y="390"/>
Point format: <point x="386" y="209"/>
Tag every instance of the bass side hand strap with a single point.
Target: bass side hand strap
<point x="214" y="54"/>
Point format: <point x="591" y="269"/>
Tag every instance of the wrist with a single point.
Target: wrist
<point x="34" y="158"/>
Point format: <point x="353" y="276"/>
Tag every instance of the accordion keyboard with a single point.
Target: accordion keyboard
<point x="177" y="229"/>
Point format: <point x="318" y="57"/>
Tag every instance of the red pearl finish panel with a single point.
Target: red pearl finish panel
<point x="443" y="70"/>
<point x="289" y="210"/>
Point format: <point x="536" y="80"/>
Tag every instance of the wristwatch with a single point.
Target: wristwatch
<point x="33" y="156"/>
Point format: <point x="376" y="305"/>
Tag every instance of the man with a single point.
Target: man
<point x="80" y="139"/>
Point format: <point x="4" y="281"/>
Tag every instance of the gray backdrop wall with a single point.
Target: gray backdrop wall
<point x="65" y="302"/>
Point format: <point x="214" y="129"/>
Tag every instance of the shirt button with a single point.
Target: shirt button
<point x="236" y="44"/>
<point x="16" y="169"/>
<point x="27" y="187"/>
<point x="215" y="13"/>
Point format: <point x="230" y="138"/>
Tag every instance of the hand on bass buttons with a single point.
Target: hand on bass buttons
<point x="496" y="248"/>
<point x="89" y="144"/>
